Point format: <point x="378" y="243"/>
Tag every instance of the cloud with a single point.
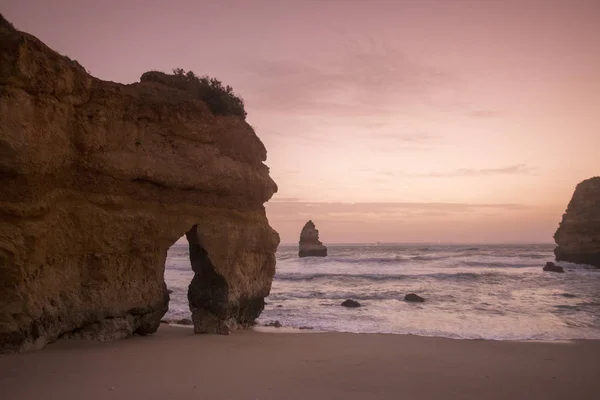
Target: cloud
<point x="283" y="209"/>
<point x="394" y="142"/>
<point x="419" y="137"/>
<point x="370" y="78"/>
<point x="517" y="169"/>
<point x="286" y="173"/>
<point x="484" y="114"/>
<point x="405" y="222"/>
<point x="373" y="125"/>
<point x="278" y="199"/>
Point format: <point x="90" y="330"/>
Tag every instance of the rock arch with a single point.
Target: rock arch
<point x="98" y="180"/>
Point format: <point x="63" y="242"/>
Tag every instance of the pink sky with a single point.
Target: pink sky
<point x="392" y="121"/>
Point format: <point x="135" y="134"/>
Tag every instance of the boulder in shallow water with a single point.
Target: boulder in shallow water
<point x="351" y="303"/>
<point x="274" y="324"/>
<point x="578" y="236"/>
<point x="414" y="298"/>
<point x="310" y="245"/>
<point x="551" y="267"/>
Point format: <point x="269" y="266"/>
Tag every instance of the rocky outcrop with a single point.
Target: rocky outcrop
<point x="551" y="267"/>
<point x="578" y="236"/>
<point x="310" y="245"/>
<point x="98" y="180"/>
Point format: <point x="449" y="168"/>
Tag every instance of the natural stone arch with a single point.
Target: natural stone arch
<point x="98" y="180"/>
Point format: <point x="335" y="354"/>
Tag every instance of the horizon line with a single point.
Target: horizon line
<point x="415" y="243"/>
<point x="423" y="243"/>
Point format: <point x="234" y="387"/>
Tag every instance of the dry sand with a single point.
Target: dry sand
<point x="175" y="364"/>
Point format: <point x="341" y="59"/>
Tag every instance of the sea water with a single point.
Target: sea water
<point x="471" y="291"/>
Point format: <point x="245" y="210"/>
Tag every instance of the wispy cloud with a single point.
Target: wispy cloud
<point x="364" y="78"/>
<point x="418" y="137"/>
<point x="394" y="142"/>
<point x="485" y="114"/>
<point x="279" y="199"/>
<point x="370" y="78"/>
<point x="388" y="173"/>
<point x="517" y="169"/>
<point x="287" y="207"/>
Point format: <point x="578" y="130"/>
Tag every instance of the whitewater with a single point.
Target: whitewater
<point x="496" y="292"/>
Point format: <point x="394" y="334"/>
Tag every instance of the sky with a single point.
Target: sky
<point x="384" y="120"/>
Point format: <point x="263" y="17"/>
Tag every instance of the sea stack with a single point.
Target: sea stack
<point x="578" y="236"/>
<point x="99" y="179"/>
<point x="310" y="245"/>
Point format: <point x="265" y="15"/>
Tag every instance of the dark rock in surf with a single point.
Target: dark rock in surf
<point x="310" y="245"/>
<point x="183" y="321"/>
<point x="351" y="303"/>
<point x="274" y="324"/>
<point x="414" y="298"/>
<point x="551" y="267"/>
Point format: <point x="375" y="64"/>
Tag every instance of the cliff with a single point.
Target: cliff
<point x="310" y="246"/>
<point x="578" y="236"/>
<point x="98" y="180"/>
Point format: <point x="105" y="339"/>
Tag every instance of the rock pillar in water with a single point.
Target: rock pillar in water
<point x="310" y="245"/>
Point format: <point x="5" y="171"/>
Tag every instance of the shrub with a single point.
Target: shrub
<point x="221" y="100"/>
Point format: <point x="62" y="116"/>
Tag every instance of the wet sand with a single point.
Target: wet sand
<point x="176" y="364"/>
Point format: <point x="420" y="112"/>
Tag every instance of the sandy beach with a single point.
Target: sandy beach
<point x="175" y="364"/>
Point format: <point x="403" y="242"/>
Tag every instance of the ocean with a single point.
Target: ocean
<point x="496" y="292"/>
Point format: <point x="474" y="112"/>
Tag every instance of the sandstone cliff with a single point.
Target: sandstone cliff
<point x="578" y="236"/>
<point x="98" y="180"/>
<point x="310" y="245"/>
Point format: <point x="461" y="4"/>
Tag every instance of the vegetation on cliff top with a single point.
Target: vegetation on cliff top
<point x="221" y="100"/>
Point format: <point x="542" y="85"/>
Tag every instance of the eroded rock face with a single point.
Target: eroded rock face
<point x="98" y="180"/>
<point x="578" y="236"/>
<point x="310" y="245"/>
